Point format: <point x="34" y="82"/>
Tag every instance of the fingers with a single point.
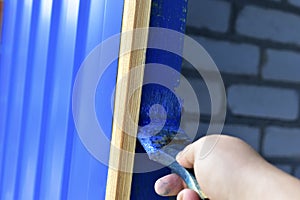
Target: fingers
<point x="172" y="185"/>
<point x="169" y="185"/>
<point x="187" y="194"/>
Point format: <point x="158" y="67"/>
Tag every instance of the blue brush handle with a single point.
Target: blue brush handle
<point x="188" y="178"/>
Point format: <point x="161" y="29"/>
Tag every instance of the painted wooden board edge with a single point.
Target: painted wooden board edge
<point x="136" y="14"/>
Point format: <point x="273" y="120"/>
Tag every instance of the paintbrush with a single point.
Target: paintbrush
<point x="161" y="137"/>
<point x="162" y="146"/>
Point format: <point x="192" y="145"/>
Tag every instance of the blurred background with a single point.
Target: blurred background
<point x="256" y="46"/>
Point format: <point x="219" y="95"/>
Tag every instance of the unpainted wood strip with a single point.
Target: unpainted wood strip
<point x="136" y="14"/>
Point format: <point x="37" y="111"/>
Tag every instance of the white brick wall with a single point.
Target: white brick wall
<point x="264" y="102"/>
<point x="294" y="2"/>
<point x="256" y="45"/>
<point x="282" y="65"/>
<point x="232" y="57"/>
<point x="249" y="134"/>
<point x="203" y="98"/>
<point x="269" y="24"/>
<point x="297" y="172"/>
<point x="212" y="14"/>
<point x="282" y="142"/>
<point x="286" y="168"/>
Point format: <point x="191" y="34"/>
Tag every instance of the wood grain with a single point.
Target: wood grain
<point x="136" y="14"/>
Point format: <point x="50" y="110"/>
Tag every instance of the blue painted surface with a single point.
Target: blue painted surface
<point x="44" y="43"/>
<point x="169" y="14"/>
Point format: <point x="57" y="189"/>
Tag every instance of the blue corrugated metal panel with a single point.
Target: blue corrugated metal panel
<point x="44" y="43"/>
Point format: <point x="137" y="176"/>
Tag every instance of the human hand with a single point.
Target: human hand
<point x="232" y="170"/>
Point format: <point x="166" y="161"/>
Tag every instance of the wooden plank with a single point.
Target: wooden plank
<point x="136" y="14"/>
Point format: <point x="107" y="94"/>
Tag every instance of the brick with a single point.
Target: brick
<point x="211" y="14"/>
<point x="203" y="128"/>
<point x="250" y="135"/>
<point x="199" y="97"/>
<point x="191" y="103"/>
<point x="232" y="57"/>
<point x="282" y="142"/>
<point x="190" y="125"/>
<point x="266" y="102"/>
<point x="282" y="65"/>
<point x="294" y="2"/>
<point x="285" y="168"/>
<point x="269" y="24"/>
<point x="297" y="172"/>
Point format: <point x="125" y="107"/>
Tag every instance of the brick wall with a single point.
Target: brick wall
<point x="256" y="46"/>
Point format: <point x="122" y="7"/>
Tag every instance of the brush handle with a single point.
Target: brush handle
<point x="188" y="178"/>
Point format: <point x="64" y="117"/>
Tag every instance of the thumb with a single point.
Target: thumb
<point x="186" y="157"/>
<point x="200" y="149"/>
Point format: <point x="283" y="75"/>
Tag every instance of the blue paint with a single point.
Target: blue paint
<point x="169" y="14"/>
<point x="158" y="94"/>
<point x="104" y="104"/>
<point x="43" y="44"/>
<point x="153" y="143"/>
